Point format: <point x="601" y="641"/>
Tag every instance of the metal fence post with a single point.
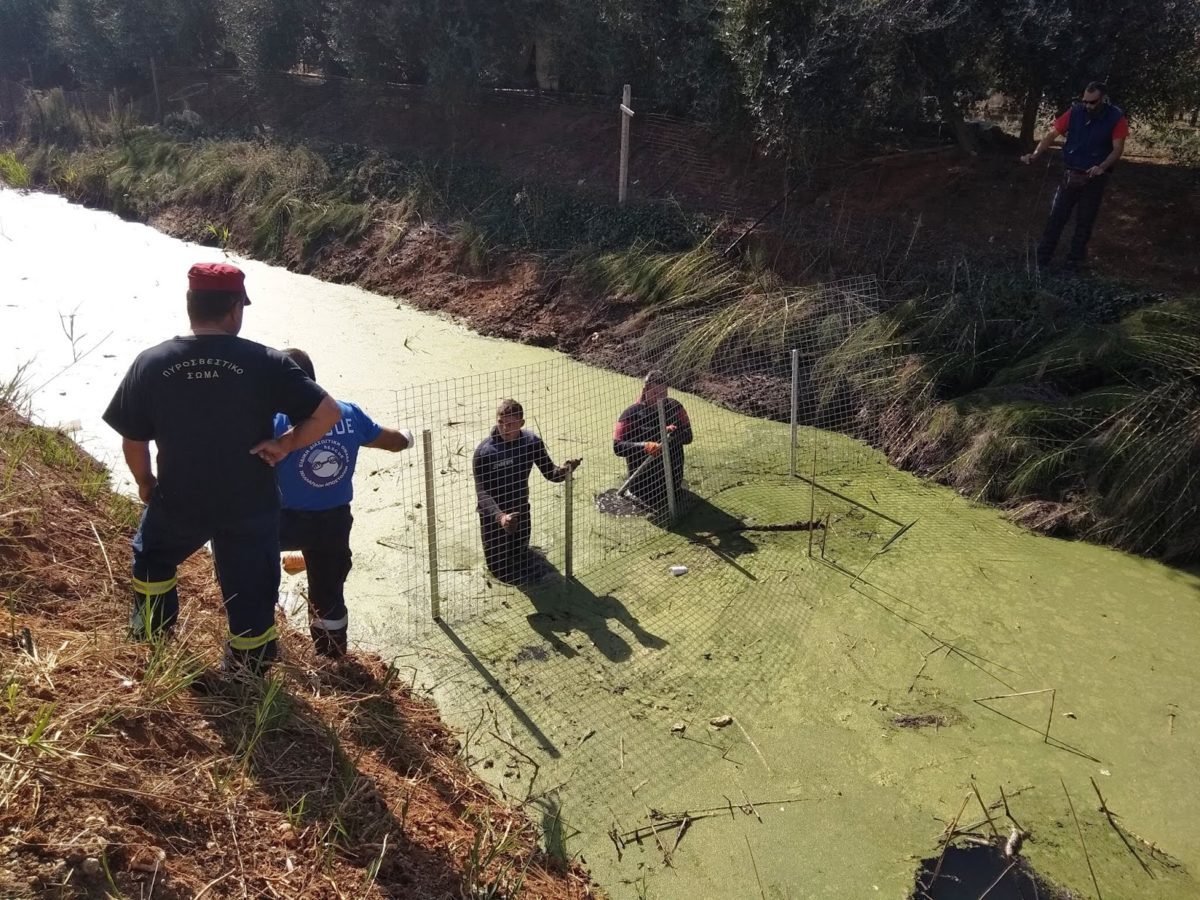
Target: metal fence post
<point x="795" y="406"/>
<point x="569" y="526"/>
<point x="812" y="499"/>
<point x="435" y="601"/>
<point x="665" y="437"/>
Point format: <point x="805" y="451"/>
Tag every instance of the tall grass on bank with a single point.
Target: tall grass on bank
<point x="13" y="172"/>
<point x="283" y="202"/>
<point x="1080" y="417"/>
<point x="1074" y="402"/>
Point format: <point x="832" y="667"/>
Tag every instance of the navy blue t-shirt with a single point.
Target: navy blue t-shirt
<point x="321" y="476"/>
<point x="205" y="400"/>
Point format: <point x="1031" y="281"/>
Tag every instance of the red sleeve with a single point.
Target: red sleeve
<point x="1063" y="122"/>
<point x="1121" y="129"/>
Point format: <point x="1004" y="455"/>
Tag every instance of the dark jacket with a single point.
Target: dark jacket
<point x="639" y="424"/>
<point x="501" y="469"/>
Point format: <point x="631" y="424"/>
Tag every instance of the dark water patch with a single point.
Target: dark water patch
<point x="788" y="526"/>
<point x="613" y="504"/>
<point x="968" y="873"/>
<point x="920" y="720"/>
<point x="532" y="653"/>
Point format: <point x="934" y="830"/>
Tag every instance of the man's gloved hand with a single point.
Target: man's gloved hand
<point x="670" y="429"/>
<point x="508" y="521"/>
<point x="652" y="447"/>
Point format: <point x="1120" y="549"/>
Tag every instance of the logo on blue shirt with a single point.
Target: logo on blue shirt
<point x="324" y="463"/>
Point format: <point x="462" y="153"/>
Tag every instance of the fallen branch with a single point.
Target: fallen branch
<point x="1087" y="857"/>
<point x="937" y="870"/>
<point x="1108" y="814"/>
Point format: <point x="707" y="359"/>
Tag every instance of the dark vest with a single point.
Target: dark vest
<point x="1089" y="141"/>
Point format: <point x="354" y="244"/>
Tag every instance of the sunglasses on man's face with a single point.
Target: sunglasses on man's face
<point x="1095" y="102"/>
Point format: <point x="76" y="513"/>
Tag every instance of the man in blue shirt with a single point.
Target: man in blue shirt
<point x="316" y="487"/>
<point x="1095" y="130"/>
<point x="501" y="467"/>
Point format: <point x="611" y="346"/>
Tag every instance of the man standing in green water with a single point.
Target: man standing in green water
<point x="501" y="466"/>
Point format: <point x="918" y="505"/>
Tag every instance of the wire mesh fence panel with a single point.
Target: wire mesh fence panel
<point x="492" y="517"/>
<point x="568" y="411"/>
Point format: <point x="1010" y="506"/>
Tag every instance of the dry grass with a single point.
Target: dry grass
<point x="134" y="770"/>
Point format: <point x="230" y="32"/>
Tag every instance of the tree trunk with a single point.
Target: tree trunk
<point x="953" y="117"/>
<point x="1029" y="115"/>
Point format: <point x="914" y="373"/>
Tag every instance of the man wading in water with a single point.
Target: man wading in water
<point x="637" y="435"/>
<point x="501" y="467"/>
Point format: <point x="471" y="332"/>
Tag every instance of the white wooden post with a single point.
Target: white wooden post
<point x="626" y="115"/>
<point x="435" y="601"/>
<point x="665" y="438"/>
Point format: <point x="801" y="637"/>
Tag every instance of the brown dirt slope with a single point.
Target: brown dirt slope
<point x="128" y="770"/>
<point x="992" y="205"/>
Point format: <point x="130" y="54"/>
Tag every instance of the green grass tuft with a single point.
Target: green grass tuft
<point x="13" y="172"/>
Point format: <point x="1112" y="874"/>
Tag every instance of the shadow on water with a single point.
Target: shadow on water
<point x="501" y="692"/>
<point x="562" y="607"/>
<point x="699" y="522"/>
<point x="707" y="525"/>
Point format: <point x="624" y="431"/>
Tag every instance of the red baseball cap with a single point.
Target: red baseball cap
<point x="218" y="277"/>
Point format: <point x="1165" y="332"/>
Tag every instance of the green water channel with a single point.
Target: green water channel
<point x="566" y="695"/>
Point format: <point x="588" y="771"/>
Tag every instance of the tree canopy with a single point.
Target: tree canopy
<point x="788" y="69"/>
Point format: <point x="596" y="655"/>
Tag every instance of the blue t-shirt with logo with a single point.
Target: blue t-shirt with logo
<point x="321" y="475"/>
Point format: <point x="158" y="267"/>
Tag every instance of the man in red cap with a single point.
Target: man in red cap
<point x="208" y="400"/>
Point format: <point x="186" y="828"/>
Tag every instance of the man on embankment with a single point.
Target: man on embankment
<point x="316" y="485"/>
<point x="1095" y="130"/>
<point x="208" y="400"/>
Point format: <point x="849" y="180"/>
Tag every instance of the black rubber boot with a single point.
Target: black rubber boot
<point x="252" y="662"/>
<point x="329" y="642"/>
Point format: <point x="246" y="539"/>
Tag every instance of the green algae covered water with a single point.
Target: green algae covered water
<point x="857" y="695"/>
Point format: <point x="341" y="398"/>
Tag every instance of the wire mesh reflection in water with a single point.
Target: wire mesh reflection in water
<point x="487" y="511"/>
